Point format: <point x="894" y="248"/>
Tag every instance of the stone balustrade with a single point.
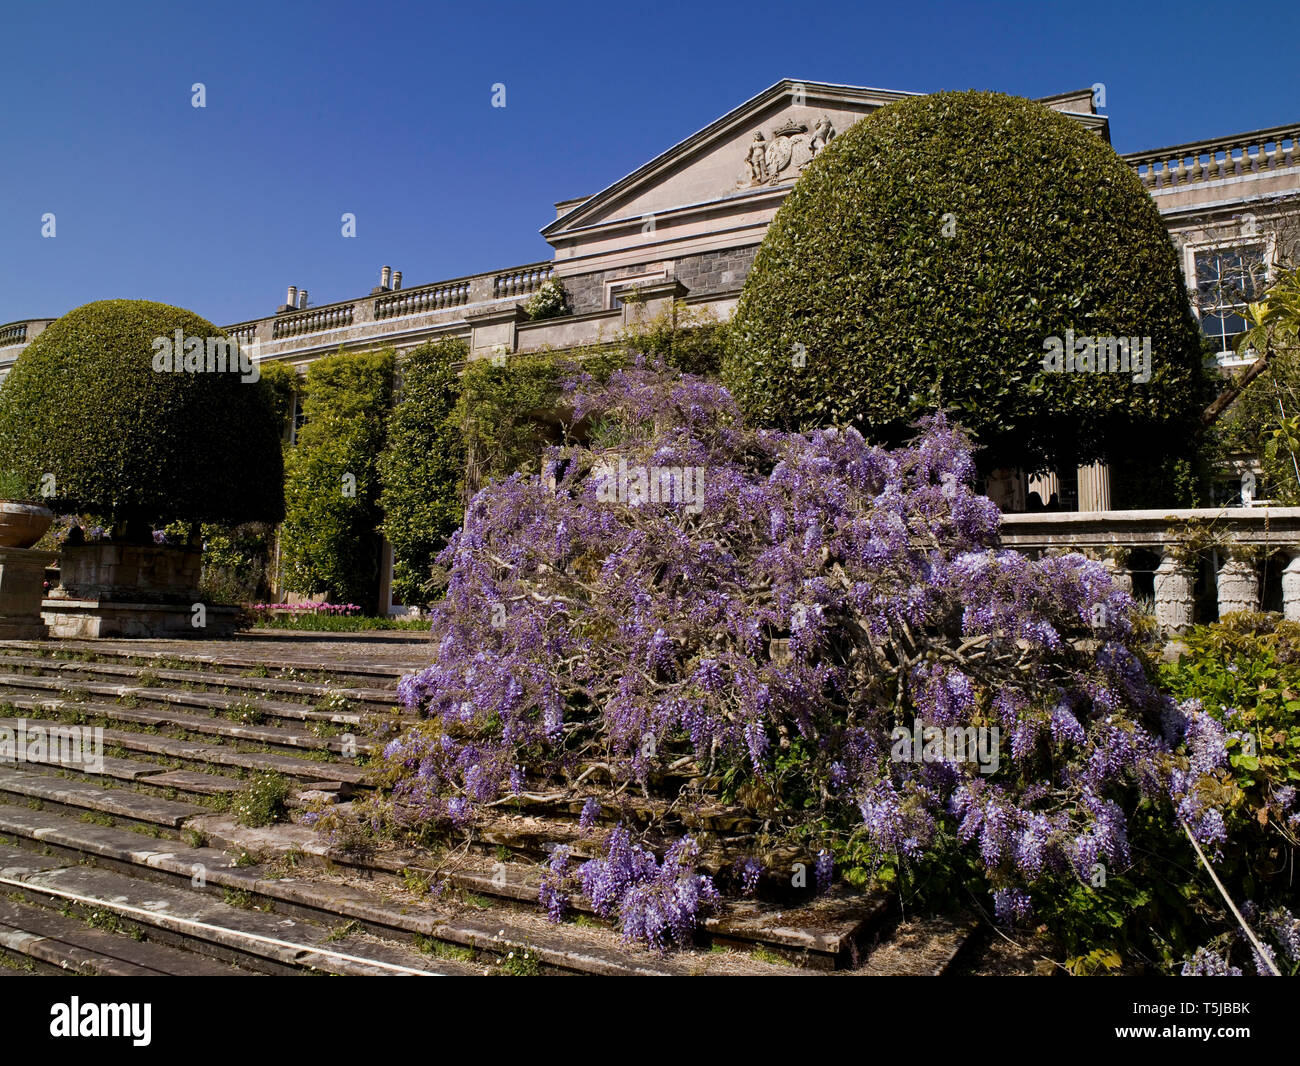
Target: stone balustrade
<point x="1202" y="161"/>
<point x="317" y="320"/>
<point x="1236" y="558"/>
<point x="14" y="333"/>
<point x="244" y="333"/>
<point x="425" y="298"/>
<point x="522" y="281"/>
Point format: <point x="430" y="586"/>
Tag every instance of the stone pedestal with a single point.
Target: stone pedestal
<point x="1237" y="586"/>
<point x="22" y="577"/>
<point x="1119" y="572"/>
<point x="1291" y="590"/>
<point x="1175" y="593"/>
<point x="133" y="590"/>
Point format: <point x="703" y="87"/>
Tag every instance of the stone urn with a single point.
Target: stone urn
<point x="23" y="524"/>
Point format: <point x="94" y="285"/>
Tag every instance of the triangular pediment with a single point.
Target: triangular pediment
<point x="759" y="147"/>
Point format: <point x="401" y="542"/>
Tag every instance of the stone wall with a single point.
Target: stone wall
<point x="721" y="271"/>
<point x="703" y="275"/>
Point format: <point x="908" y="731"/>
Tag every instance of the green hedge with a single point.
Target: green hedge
<point x="926" y="255"/>
<point x="422" y="470"/>
<point x="133" y="444"/>
<point x="330" y="542"/>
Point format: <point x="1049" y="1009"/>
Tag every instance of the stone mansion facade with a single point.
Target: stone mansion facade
<point x="686" y="225"/>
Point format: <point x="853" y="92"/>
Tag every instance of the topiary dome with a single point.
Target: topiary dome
<point x="124" y="440"/>
<point x="925" y="258"/>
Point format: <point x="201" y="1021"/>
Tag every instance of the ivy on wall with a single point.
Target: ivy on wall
<point x="330" y="541"/>
<point x="422" y="469"/>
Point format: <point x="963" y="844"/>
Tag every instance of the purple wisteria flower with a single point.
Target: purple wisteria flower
<point x="823" y="594"/>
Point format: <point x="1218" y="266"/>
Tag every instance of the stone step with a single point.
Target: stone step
<point x="216" y="937"/>
<point x="162" y="697"/>
<point x="243" y="654"/>
<point x="464" y="926"/>
<point x="273" y="736"/>
<point x="72" y="945"/>
<point x="825" y="933"/>
<point x="174" y="751"/>
<point x="32" y="783"/>
<point x="368" y="698"/>
<point x="925" y="947"/>
<point x="217" y="755"/>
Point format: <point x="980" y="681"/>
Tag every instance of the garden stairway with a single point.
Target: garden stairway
<point x="137" y="864"/>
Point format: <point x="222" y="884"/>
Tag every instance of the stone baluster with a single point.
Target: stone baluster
<point x="1237" y="585"/>
<point x="1175" y="592"/>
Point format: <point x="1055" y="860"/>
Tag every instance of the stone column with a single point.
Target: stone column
<point x="1291" y="589"/>
<point x="22" y="587"/>
<point x="1005" y="486"/>
<point x="1175" y="596"/>
<point x="1046" y="485"/>
<point x="1237" y="585"/>
<point x="1094" y="487"/>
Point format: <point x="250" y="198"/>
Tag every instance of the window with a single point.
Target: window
<point x="1228" y="278"/>
<point x="614" y="299"/>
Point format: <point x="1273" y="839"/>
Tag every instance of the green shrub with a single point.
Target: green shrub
<point x="927" y="254"/>
<point x="505" y="413"/>
<point x="686" y="338"/>
<point x="330" y="542"/>
<point x="423" y="467"/>
<point x="136" y="445"/>
<point x="550" y="301"/>
<point x="263" y="802"/>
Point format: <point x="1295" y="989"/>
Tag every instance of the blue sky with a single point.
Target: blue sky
<point x="384" y="110"/>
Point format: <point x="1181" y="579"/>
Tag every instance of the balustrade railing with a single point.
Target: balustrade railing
<point x="522" y="281"/>
<point x="14" y="333"/>
<point x="426" y="298"/>
<point x="1190" y="164"/>
<point x="295" y="325"/>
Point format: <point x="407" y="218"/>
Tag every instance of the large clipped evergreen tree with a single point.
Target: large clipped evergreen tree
<point x="85" y="413"/>
<point x="927" y="255"/>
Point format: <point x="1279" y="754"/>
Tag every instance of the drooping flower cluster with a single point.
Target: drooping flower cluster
<point x="657" y="903"/>
<point x="817" y="594"/>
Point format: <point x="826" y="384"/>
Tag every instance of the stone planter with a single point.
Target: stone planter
<point x="23" y="524"/>
<point x="110" y="589"/>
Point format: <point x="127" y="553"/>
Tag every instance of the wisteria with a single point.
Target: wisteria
<point x="659" y="903"/>
<point x="821" y="594"/>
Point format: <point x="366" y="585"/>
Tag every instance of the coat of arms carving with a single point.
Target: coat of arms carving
<point x="783" y="155"/>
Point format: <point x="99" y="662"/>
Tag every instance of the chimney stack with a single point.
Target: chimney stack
<point x="302" y="300"/>
<point x="385" y="277"/>
<point x="291" y="297"/>
<point x="397" y="279"/>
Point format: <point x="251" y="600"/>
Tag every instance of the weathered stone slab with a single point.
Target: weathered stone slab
<point x="73" y="792"/>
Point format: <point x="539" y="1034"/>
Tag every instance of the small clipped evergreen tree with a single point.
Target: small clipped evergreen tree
<point x="85" y="411"/>
<point x="924" y="260"/>
<point x="330" y="542"/>
<point x="423" y="467"/>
